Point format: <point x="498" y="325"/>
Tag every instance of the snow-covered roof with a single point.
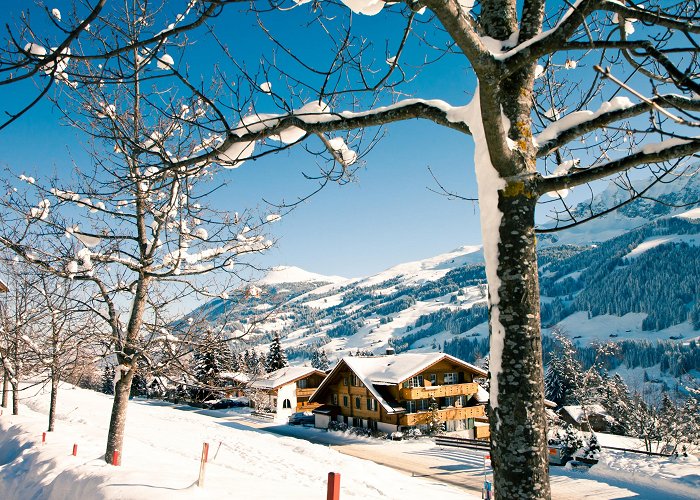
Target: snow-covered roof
<point x="395" y="368"/>
<point x="481" y="396"/>
<point x="284" y="376"/>
<point x="576" y="411"/>
<point x="235" y="376"/>
<point x="3" y="287"/>
<point x="392" y="370"/>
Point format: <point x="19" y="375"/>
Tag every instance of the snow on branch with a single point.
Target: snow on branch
<point x="648" y="153"/>
<point x="579" y="123"/>
<point x="315" y="118"/>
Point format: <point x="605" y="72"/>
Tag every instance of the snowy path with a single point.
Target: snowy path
<point x="465" y="468"/>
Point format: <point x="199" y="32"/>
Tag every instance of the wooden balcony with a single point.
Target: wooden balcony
<point x="439" y="391"/>
<point x="305" y="393"/>
<point x="445" y="414"/>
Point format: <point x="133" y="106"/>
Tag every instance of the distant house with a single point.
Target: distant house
<point x="591" y="418"/>
<point x="3" y="287"/>
<point x="286" y="390"/>
<point x="393" y="392"/>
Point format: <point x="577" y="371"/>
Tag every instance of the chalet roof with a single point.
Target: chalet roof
<point x="285" y="376"/>
<point x="3" y="287"/>
<point x="577" y="414"/>
<point x="392" y="369"/>
<point x="239" y="377"/>
<point x="395" y="368"/>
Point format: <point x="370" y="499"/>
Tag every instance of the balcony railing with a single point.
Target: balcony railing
<point x="306" y="392"/>
<point x="445" y="414"/>
<point x="439" y="391"/>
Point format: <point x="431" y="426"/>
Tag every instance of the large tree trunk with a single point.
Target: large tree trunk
<point x="54" y="397"/>
<point x="15" y="397"/>
<point x="127" y="358"/>
<point x="517" y="418"/>
<point x="117" y="422"/>
<point x="5" y="389"/>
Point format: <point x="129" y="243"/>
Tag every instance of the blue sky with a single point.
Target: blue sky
<point x="387" y="216"/>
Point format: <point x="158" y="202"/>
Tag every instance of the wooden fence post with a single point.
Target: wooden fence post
<point x="333" y="486"/>
<point x="202" y="464"/>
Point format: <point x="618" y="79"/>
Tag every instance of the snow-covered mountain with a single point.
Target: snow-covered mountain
<point x="641" y="283"/>
<point x="422" y="304"/>
<point x="675" y="197"/>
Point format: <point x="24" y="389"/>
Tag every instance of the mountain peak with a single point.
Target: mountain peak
<point x="293" y="274"/>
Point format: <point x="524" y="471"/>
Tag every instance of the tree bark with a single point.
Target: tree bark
<point x="517" y="423"/>
<point x="117" y="422"/>
<point x="5" y="389"/>
<point x="54" y="397"/>
<point x="15" y="398"/>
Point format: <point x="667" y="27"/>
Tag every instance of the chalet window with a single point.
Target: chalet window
<point x="335" y="399"/>
<point x="345" y="401"/>
<point x="303" y="383"/>
<point x="449" y="401"/>
<point x="416" y="381"/>
<point x="423" y="404"/>
<point x="410" y="406"/>
<point x="433" y="379"/>
<point x="450" y="378"/>
<point x="355" y="381"/>
<point x="286" y="404"/>
<point x="358" y="403"/>
<point x="371" y="404"/>
<point x="345" y="381"/>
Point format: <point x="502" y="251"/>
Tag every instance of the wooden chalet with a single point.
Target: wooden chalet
<point x="393" y="392"/>
<point x="286" y="391"/>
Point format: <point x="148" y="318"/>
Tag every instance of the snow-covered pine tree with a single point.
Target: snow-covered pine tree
<point x="315" y="358"/>
<point x="435" y="423"/>
<point x="276" y="358"/>
<point x="210" y="359"/>
<point x="319" y="360"/>
<point x="324" y="363"/>
<point x="484" y="382"/>
<point x="554" y="389"/>
<point x="592" y="449"/>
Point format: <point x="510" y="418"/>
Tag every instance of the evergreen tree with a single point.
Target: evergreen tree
<point x="210" y="359"/>
<point x="435" y="423"/>
<point x="139" y="386"/>
<point x="319" y="360"/>
<point x="554" y="389"/>
<point x="108" y="380"/>
<point x="276" y="358"/>
<point x="568" y="369"/>
<point x="592" y="449"/>
<point x="484" y="382"/>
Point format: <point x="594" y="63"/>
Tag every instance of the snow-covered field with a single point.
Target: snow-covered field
<point x="161" y="458"/>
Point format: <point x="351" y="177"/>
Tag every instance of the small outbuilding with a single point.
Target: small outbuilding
<point x="285" y="391"/>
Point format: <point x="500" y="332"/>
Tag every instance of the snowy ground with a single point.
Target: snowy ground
<point x="161" y="458"/>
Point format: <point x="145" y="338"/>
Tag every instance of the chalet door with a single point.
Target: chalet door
<point x="460" y="378"/>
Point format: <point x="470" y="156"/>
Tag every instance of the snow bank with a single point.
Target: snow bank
<point x="161" y="457"/>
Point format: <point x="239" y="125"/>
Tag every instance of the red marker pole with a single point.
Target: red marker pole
<point x="116" y="459"/>
<point x="202" y="464"/>
<point x="43" y="438"/>
<point x="333" y="486"/>
<point x="75" y="450"/>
